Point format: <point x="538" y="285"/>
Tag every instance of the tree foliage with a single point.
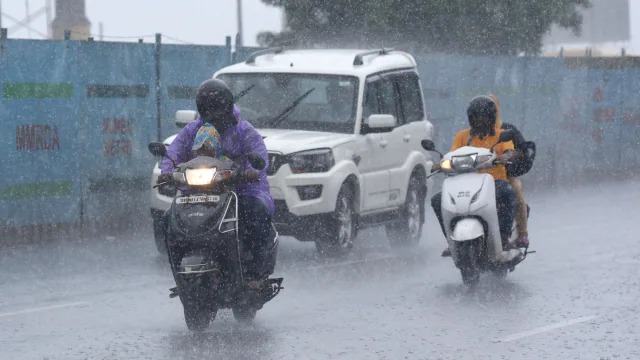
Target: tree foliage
<point x="458" y="26"/>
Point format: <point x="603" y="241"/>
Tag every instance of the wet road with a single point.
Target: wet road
<point x="577" y="298"/>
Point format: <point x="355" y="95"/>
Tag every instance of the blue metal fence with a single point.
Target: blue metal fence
<point x="76" y="117"/>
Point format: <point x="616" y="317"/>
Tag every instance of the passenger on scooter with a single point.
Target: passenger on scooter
<point x="484" y="131"/>
<point x="216" y="107"/>
<point x="208" y="143"/>
<point x="522" y="212"/>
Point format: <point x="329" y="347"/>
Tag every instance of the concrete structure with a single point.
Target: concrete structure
<point x="70" y="15"/>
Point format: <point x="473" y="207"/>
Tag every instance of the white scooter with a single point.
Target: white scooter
<point x="470" y="215"/>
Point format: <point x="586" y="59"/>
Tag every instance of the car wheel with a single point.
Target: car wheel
<point x="407" y="231"/>
<point x="341" y="226"/>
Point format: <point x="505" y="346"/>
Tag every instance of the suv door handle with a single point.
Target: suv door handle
<point x="383" y="143"/>
<point x="406" y="138"/>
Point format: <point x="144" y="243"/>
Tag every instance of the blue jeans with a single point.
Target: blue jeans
<point x="506" y="204"/>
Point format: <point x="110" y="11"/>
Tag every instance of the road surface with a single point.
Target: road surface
<point x="577" y="298"/>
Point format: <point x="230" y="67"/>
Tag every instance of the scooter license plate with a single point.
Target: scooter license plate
<point x="198" y="199"/>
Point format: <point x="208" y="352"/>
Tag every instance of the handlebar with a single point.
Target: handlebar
<point x="237" y="177"/>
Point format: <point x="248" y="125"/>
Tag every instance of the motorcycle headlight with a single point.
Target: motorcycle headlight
<point x="312" y="161"/>
<point x="200" y="176"/>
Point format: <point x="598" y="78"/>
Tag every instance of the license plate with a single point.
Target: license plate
<point x="198" y="199"/>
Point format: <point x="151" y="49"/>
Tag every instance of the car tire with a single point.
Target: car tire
<point x="341" y="231"/>
<point x="407" y="231"/>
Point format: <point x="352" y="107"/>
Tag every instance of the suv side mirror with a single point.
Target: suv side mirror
<point x="157" y="149"/>
<point x="380" y="121"/>
<point x="184" y="117"/>
<point x="256" y="161"/>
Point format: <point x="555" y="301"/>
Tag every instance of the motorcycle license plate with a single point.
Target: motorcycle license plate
<point x="198" y="199"/>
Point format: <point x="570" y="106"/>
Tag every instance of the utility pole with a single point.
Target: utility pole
<point x="28" y="18"/>
<point x="49" y="19"/>
<point x="239" y="40"/>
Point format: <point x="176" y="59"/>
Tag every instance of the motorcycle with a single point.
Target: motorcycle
<point x="470" y="215"/>
<point x="205" y="250"/>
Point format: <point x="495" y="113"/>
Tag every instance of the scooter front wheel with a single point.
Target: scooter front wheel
<point x="197" y="317"/>
<point x="467" y="262"/>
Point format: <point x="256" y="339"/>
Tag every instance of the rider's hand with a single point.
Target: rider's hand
<point x="251" y="176"/>
<point x="504" y="158"/>
<point x="163" y="178"/>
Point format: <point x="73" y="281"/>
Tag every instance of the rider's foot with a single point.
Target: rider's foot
<point x="522" y="241"/>
<point x="253" y="284"/>
<point x="446" y="252"/>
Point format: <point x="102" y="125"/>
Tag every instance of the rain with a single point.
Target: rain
<point x="350" y="103"/>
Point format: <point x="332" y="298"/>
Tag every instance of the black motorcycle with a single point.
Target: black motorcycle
<point x="204" y="243"/>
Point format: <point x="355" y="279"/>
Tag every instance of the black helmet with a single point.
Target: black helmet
<point x="482" y="106"/>
<point x="214" y="100"/>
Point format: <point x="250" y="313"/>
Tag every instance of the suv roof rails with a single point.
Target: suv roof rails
<point x="358" y="60"/>
<point x="252" y="58"/>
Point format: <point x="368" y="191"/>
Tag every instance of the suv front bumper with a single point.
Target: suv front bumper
<point x="300" y="192"/>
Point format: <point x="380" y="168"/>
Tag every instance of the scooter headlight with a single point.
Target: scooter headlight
<point x="200" y="176"/>
<point x="462" y="163"/>
<point x="480" y="159"/>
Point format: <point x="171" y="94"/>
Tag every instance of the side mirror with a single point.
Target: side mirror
<point x="379" y="121"/>
<point x="428" y="145"/>
<point x="256" y="161"/>
<point x="184" y="117"/>
<point x="157" y="149"/>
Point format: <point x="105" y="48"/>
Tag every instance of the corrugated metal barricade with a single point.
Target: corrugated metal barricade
<point x="76" y="118"/>
<point x="583" y="114"/>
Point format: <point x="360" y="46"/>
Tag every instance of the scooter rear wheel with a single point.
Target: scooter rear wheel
<point x="244" y="314"/>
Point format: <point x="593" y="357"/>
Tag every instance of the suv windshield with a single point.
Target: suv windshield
<point x="329" y="104"/>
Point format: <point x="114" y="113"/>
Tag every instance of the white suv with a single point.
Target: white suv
<point x="343" y="130"/>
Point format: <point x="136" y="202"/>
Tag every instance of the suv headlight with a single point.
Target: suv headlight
<point x="311" y="161"/>
<point x="199" y="176"/>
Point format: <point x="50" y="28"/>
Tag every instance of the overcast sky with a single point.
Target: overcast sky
<point x="193" y="21"/>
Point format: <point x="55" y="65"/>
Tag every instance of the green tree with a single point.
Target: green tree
<point x="455" y="26"/>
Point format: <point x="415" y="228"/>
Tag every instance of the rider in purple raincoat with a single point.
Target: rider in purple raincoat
<point x="215" y="105"/>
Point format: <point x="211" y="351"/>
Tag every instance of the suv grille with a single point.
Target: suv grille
<point x="275" y="162"/>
